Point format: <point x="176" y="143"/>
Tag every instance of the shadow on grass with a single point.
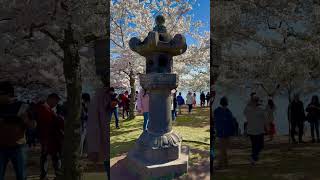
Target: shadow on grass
<point x="118" y="148"/>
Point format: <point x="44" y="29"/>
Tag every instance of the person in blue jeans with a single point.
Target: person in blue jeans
<point x="180" y="102"/>
<point x="114" y="106"/>
<point x="143" y="107"/>
<point x="14" y="120"/>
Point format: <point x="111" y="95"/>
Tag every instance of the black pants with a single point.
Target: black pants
<point x="56" y="162"/>
<point x="257" y="144"/>
<point x="294" y="125"/>
<point x="314" y="127"/>
<point x="190" y="107"/>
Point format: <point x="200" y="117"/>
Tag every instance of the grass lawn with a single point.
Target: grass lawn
<point x="194" y="129"/>
<point x="278" y="161"/>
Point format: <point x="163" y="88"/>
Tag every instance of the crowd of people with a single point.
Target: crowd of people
<point x="122" y="101"/>
<point x="260" y="122"/>
<point x="25" y="125"/>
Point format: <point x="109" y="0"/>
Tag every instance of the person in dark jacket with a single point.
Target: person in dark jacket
<point x="297" y="117"/>
<point x="313" y="110"/>
<point x="208" y="98"/>
<point x="180" y="102"/>
<point x="224" y="121"/>
<point x="202" y="99"/>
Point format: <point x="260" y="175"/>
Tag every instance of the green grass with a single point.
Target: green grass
<point x="194" y="129"/>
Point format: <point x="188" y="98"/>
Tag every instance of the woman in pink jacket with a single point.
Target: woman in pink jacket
<point x="143" y="107"/>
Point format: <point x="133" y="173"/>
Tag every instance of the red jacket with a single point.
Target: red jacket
<point x="50" y="128"/>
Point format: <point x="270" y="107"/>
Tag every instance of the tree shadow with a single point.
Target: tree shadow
<point x="120" y="170"/>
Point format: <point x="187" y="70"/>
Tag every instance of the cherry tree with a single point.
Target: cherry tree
<point x="35" y="29"/>
<point x="273" y="53"/>
<point x="135" y="19"/>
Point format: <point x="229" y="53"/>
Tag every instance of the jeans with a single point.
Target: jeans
<point x="295" y="124"/>
<point x="17" y="156"/>
<point x="115" y="112"/>
<point x="190" y="107"/>
<point x="56" y="162"/>
<point x="257" y="142"/>
<point x="145" y="120"/>
<point x="174" y="114"/>
<point x="314" y="127"/>
<point x="83" y="139"/>
<point x="107" y="167"/>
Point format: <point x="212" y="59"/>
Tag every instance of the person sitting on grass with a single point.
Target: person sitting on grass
<point x="225" y="129"/>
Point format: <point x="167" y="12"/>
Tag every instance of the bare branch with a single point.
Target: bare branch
<point x="53" y="37"/>
<point x="56" y="54"/>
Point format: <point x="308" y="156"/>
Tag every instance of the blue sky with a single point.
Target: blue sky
<point x="201" y="11"/>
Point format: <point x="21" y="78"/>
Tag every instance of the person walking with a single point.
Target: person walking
<point x="194" y="100"/>
<point x="313" y="116"/>
<point x="143" y="107"/>
<point x="84" y="120"/>
<point x="174" y="106"/>
<point x="14" y="121"/>
<point x="270" y="110"/>
<point x="114" y="106"/>
<point x="98" y="131"/>
<point x="125" y="104"/>
<point x="202" y="99"/>
<point x="225" y="128"/>
<point x="297" y="118"/>
<point x="180" y="102"/>
<point x="208" y="99"/>
<point x="50" y="135"/>
<point x="189" y="101"/>
<point x="256" y="123"/>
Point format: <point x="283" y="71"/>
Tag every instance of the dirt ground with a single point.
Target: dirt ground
<point x="33" y="168"/>
<point x="279" y="161"/>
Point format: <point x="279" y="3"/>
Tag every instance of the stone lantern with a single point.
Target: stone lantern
<point x="158" y="151"/>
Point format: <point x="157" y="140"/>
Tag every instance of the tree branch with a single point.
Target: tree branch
<point x="53" y="37"/>
<point x="56" y="54"/>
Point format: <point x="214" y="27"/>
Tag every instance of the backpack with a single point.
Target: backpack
<point x="11" y="125"/>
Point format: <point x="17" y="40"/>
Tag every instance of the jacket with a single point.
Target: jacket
<point x="257" y="119"/>
<point x="143" y="102"/>
<point x="224" y="122"/>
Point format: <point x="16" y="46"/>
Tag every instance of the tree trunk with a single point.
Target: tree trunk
<point x="72" y="73"/>
<point x="133" y="96"/>
<point x="215" y="60"/>
<point x="102" y="62"/>
<point x="289" y="116"/>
